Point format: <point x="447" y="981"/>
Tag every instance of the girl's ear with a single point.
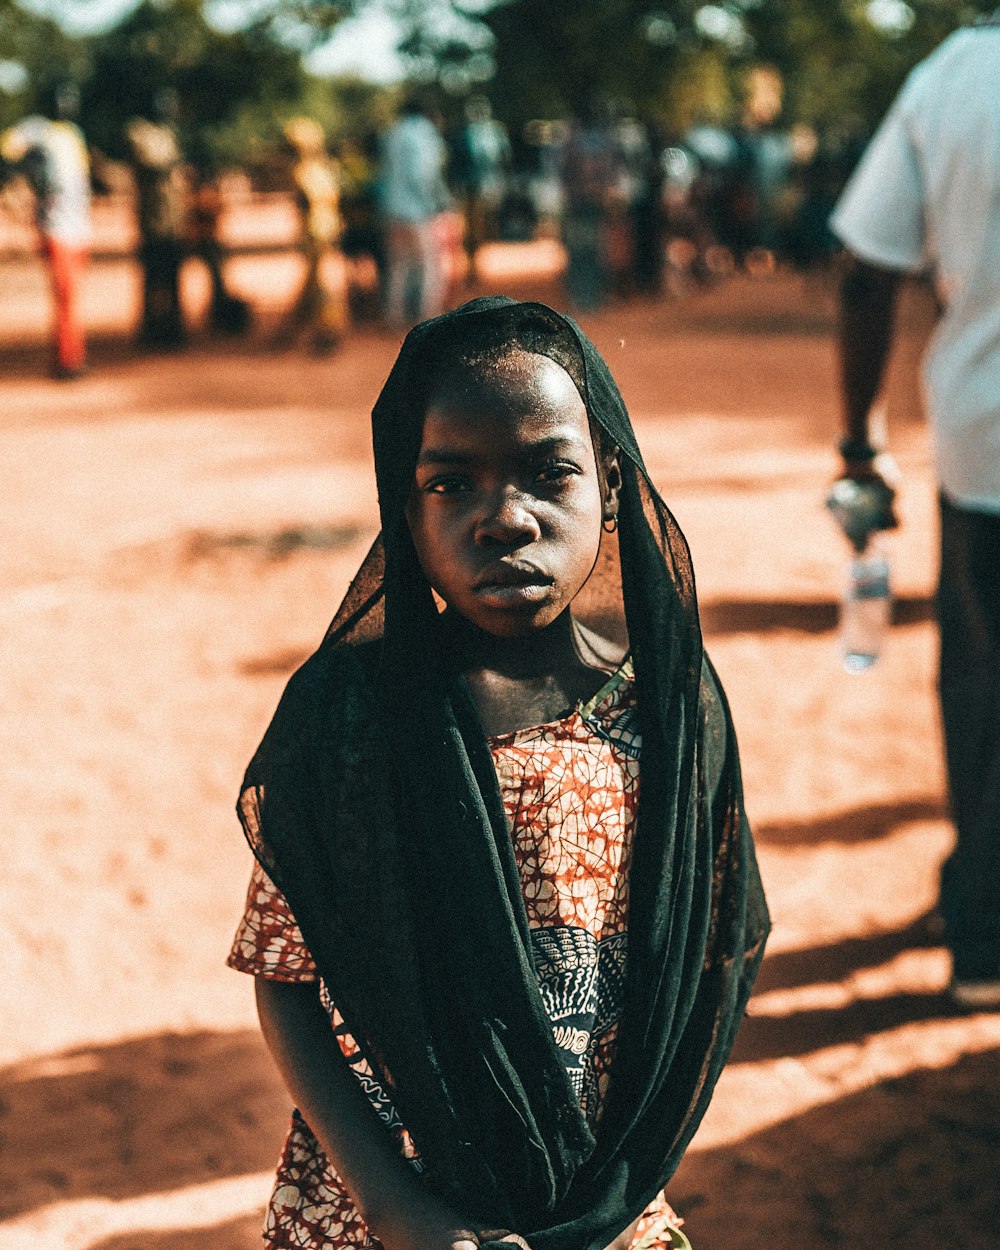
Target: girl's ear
<point x="611" y="478"/>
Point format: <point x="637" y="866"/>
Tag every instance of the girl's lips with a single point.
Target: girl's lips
<point x="507" y="585"/>
<point x="513" y="594"/>
<point x="507" y="575"/>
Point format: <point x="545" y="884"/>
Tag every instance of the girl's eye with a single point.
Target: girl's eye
<point x="553" y="474"/>
<point x="449" y="485"/>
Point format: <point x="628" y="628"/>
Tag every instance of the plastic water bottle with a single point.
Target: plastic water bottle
<point x="865" y="609"/>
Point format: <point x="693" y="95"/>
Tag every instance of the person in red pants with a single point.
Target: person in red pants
<point x="51" y="151"/>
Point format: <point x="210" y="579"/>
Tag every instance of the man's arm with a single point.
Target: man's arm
<point x="867" y="304"/>
<point x="386" y="1191"/>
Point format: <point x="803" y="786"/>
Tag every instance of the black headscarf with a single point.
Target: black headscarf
<point x="373" y="804"/>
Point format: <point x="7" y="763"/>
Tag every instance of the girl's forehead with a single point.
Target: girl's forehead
<point x="516" y="384"/>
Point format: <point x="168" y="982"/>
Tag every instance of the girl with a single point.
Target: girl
<point x="506" y="914"/>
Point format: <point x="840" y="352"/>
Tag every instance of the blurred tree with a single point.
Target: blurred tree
<point x="554" y="55"/>
<point x="34" y="54"/>
<point x="541" y="58"/>
<point x="217" y="75"/>
<point x="672" y="60"/>
<point x="236" y="85"/>
<point x="842" y="63"/>
<point x="348" y="109"/>
<point x="675" y="60"/>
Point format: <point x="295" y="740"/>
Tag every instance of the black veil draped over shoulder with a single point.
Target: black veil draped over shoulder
<point x="372" y="802"/>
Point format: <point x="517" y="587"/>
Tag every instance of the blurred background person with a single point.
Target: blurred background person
<point x="815" y="182"/>
<point x="162" y="192"/>
<point x="51" y="152"/>
<point x="361" y="240"/>
<point x="320" y="310"/>
<point x="924" y="200"/>
<point x="769" y="153"/>
<point x="481" y="163"/>
<point x="414" y="193"/>
<point x="590" y="171"/>
<point x="638" y="210"/>
<point x="648" y="215"/>
<point x="227" y="313"/>
<point x="716" y="195"/>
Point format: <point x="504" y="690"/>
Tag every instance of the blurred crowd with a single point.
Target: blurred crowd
<point x="390" y="227"/>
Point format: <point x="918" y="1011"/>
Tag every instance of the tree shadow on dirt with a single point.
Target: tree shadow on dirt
<point x="762" y="616"/>
<point x="772" y="306"/>
<point x="33" y="361"/>
<point x="138" y="1117"/>
<point x="857" y="824"/>
<point x="241" y="376"/>
<point x="706" y="317"/>
<point x="833" y="961"/>
<point x="112" y="347"/>
<point x="909" y="1163"/>
<point x="802" y="1032"/>
<point x="241" y="1234"/>
<point x="899" y="1165"/>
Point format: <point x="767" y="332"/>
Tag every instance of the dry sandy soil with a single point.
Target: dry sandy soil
<point x="175" y="534"/>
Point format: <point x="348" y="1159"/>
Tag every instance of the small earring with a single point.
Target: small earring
<point x="610" y="524"/>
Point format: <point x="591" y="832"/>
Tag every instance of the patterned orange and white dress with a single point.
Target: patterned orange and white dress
<point x="570" y="789"/>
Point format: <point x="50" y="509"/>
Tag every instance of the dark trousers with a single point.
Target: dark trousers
<point x="968" y="605"/>
<point x="162" y="318"/>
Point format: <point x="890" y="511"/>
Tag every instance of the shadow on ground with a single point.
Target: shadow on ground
<point x="138" y="1117"/>
<point x="761" y="616"/>
<point x="856" y="824"/>
<point x="908" y="1164"/>
<point x="802" y="1032"/>
<point x="834" y="961"/>
<point x="241" y="1234"/>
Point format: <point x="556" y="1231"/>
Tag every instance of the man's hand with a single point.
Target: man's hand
<point x="861" y="501"/>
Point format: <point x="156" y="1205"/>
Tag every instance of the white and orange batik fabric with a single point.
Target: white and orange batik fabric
<point x="570" y="790"/>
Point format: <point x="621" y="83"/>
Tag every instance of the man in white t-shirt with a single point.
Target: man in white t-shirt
<point x="926" y="199"/>
<point x="52" y="151"/>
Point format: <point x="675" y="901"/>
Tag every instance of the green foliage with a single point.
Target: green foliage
<point x="841" y="71"/>
<point x="553" y="56"/>
<point x="218" y="76"/>
<point x="671" y="60"/>
<point x="675" y="60"/>
<point x="235" y="88"/>
<point x="45" y="53"/>
<point x="348" y="109"/>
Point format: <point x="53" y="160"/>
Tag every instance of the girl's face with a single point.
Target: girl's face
<point x="507" y="502"/>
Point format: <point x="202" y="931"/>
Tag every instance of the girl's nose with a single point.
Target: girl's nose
<point x="508" y="520"/>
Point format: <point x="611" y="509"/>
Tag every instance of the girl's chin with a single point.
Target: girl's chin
<point x="510" y="624"/>
<point x="506" y="615"/>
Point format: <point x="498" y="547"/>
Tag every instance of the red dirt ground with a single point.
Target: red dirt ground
<point x="176" y="532"/>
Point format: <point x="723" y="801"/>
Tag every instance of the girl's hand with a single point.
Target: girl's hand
<point x="624" y="1238"/>
<point x="395" y="1206"/>
<point x="504" y="1236"/>
<point x="421" y="1235"/>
